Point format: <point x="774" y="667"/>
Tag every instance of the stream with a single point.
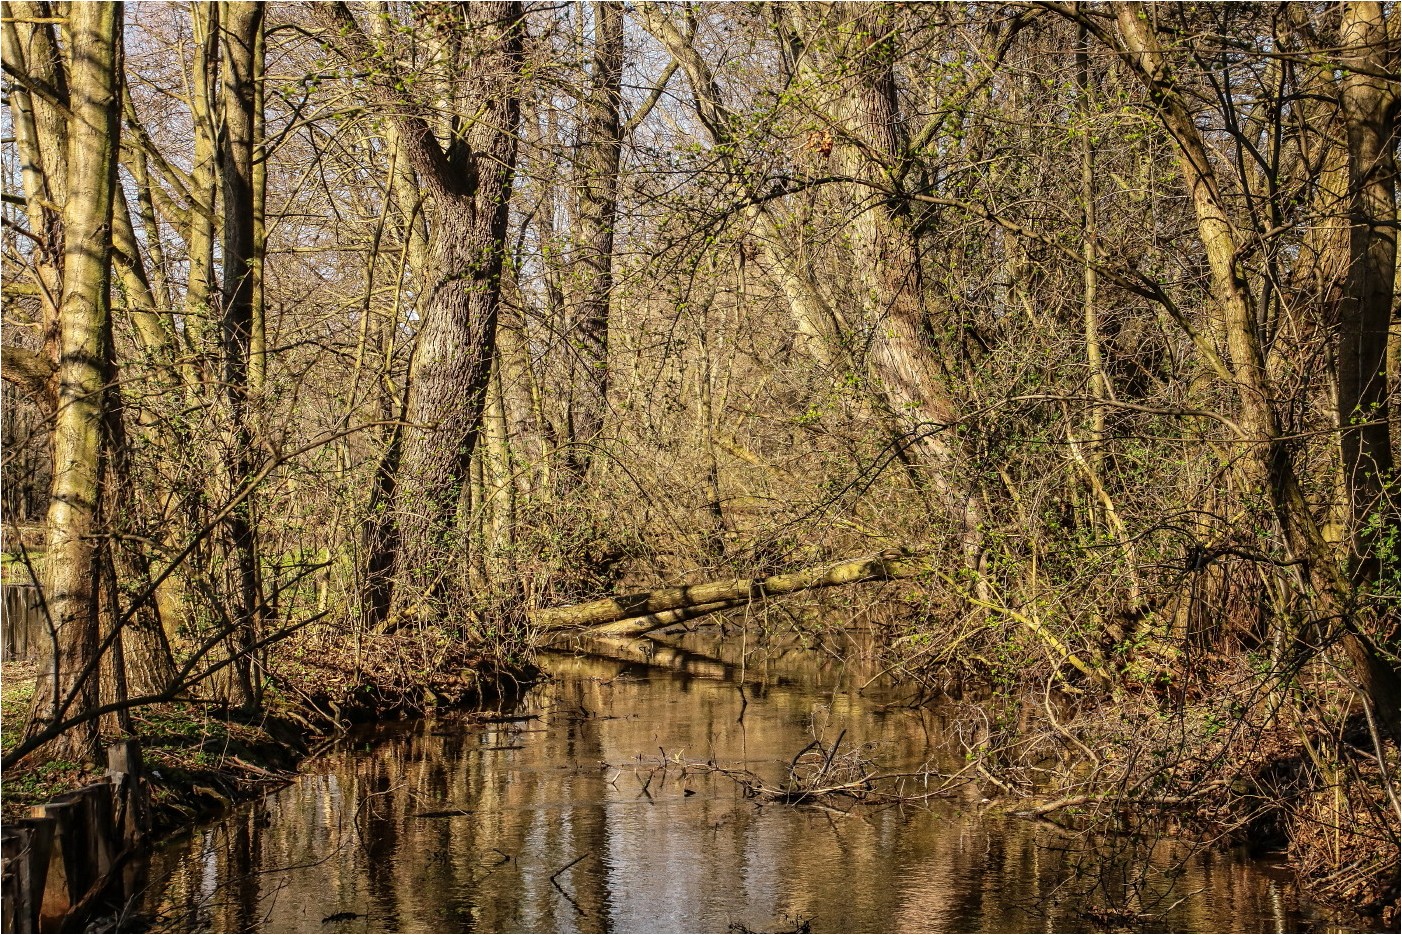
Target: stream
<point x="593" y="806"/>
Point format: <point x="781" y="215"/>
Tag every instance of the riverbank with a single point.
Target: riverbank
<point x="200" y="759"/>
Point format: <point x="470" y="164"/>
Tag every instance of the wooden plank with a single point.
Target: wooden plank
<point x="25" y="852"/>
<point x="97" y="802"/>
<point x="11" y="905"/>
<point x="68" y="874"/>
<point x="33" y="849"/>
<point x="130" y="793"/>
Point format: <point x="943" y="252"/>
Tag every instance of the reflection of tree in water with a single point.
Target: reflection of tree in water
<point x="562" y="820"/>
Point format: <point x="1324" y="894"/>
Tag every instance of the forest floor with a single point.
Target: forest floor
<point x="16" y="693"/>
<point x="198" y="763"/>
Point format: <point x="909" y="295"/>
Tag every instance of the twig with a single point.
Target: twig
<point x="555" y="883"/>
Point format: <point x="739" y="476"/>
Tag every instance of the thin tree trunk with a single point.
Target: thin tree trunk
<point x="258" y="325"/>
<point x="499" y="467"/>
<point x="1099" y="384"/>
<point x="240" y="24"/>
<point x="526" y="424"/>
<point x="596" y="190"/>
<point x="204" y="183"/>
<point x="713" y="530"/>
<point x="41" y="142"/>
<point x="1091" y="458"/>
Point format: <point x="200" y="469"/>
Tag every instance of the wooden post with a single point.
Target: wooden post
<point x="85" y="858"/>
<point x="130" y="798"/>
<point x="67" y="874"/>
<point x="97" y="807"/>
<point x="11" y="901"/>
<point x="27" y="846"/>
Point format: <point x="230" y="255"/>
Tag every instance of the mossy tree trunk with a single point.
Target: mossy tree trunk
<point x="71" y="568"/>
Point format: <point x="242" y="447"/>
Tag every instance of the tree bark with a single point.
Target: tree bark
<point x="146" y="661"/>
<point x="596" y="192"/>
<point x="240" y="24"/>
<point x="1369" y="105"/>
<point x="906" y="360"/>
<point x="40" y="128"/>
<point x="204" y="184"/>
<point x="71" y="568"/>
<point x="469" y="183"/>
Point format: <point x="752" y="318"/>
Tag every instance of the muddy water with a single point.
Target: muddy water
<point x="595" y="811"/>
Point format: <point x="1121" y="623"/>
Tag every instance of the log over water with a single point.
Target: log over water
<point x="651" y="609"/>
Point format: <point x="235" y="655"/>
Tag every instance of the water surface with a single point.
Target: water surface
<point x="594" y="808"/>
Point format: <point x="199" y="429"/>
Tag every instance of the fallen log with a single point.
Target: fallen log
<point x="650" y="610"/>
<point x="633" y="615"/>
<point x="641" y="626"/>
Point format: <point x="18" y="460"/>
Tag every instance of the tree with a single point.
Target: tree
<point x="596" y="166"/>
<point x="1368" y="102"/>
<point x="468" y="177"/>
<point x="241" y="26"/>
<point x="72" y="565"/>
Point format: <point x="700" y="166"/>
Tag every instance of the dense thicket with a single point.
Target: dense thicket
<point x="1078" y="319"/>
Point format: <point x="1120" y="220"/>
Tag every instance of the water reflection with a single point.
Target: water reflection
<point x="579" y="815"/>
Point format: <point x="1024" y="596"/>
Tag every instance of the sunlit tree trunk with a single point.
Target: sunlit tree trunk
<point x="1267" y="469"/>
<point x="41" y="142"/>
<point x="1366" y="309"/>
<point x="596" y="192"/>
<point x="71" y="566"/>
<point x="469" y="184"/>
<point x="240" y="26"/>
<point x="818" y="326"/>
<point x="906" y="359"/>
<point x="204" y="183"/>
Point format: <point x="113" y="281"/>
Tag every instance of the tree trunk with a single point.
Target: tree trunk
<point x="1366" y="307"/>
<point x="41" y="142"/>
<point x="819" y="327"/>
<point x="204" y="183"/>
<point x="1267" y="467"/>
<point x="71" y="565"/>
<point x="728" y="593"/>
<point x="596" y="191"/>
<point x="906" y="360"/>
<point x="240" y="25"/>
<point x="469" y="183"/>
<point x="146" y="661"/>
